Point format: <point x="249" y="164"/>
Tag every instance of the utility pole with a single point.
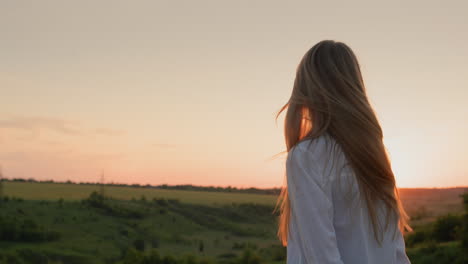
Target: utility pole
<point x="101" y="188"/>
<point x="1" y="183"/>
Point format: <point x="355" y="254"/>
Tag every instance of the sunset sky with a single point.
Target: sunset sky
<point x="186" y="91"/>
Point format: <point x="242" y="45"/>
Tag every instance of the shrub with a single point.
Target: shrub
<point x="98" y="201"/>
<point x="152" y="258"/>
<point x="139" y="244"/>
<point x="249" y="257"/>
<point x="445" y="228"/>
<point x="24" y="230"/>
<point x="160" y="201"/>
<point x="133" y="256"/>
<point x="417" y="237"/>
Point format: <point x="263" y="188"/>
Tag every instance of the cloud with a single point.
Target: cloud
<point x="109" y="132"/>
<point x="33" y="124"/>
<point x="164" y="145"/>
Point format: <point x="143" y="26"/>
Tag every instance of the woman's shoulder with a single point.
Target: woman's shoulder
<point x="316" y="147"/>
<point x="322" y="154"/>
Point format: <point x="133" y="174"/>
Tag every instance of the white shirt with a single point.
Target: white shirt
<point x="329" y="223"/>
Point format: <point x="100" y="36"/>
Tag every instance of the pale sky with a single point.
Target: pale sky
<point x="186" y="91"/>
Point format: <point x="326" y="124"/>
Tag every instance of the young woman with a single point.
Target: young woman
<point x="341" y="204"/>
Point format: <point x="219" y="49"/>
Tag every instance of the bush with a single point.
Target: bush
<point x="133" y="256"/>
<point x="168" y="260"/>
<point x="139" y="244"/>
<point x="160" y="201"/>
<point x="417" y="237"/>
<point x="249" y="257"/>
<point x="274" y="252"/>
<point x="152" y="258"/>
<point x="24" y="230"/>
<point x="98" y="201"/>
<point x="437" y="253"/>
<point x="445" y="228"/>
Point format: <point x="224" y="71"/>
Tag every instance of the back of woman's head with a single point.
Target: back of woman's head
<point x="329" y="97"/>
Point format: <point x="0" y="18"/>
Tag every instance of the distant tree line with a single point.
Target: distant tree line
<point x="187" y="187"/>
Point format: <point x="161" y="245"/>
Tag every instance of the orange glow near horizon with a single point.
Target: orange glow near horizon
<point x="161" y="93"/>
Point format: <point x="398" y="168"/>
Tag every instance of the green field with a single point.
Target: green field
<point x="45" y="223"/>
<point x="54" y="191"/>
<point x="215" y="226"/>
<point x="92" y="235"/>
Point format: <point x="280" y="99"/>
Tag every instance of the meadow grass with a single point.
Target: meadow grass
<point x="54" y="191"/>
<point x="94" y="234"/>
<point x="176" y="222"/>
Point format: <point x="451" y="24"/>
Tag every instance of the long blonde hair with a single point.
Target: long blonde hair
<point x="329" y="96"/>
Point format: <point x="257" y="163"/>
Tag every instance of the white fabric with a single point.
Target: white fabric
<point x="329" y="223"/>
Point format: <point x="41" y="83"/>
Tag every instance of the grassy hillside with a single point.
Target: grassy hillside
<point x="44" y="223"/>
<point x="97" y="230"/>
<point x="423" y="203"/>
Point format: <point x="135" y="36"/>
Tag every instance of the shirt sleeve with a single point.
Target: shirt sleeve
<point x="312" y="208"/>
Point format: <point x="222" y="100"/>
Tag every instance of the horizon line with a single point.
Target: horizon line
<point x="191" y="184"/>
